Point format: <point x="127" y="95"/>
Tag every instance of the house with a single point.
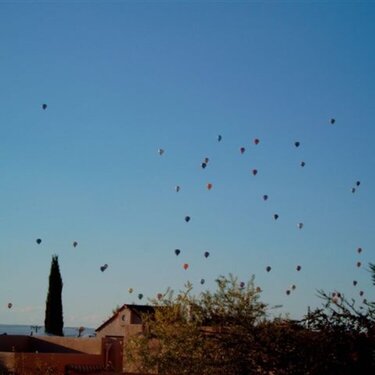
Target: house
<point x="122" y="325"/>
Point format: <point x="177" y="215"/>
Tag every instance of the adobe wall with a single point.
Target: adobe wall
<point x="89" y="345"/>
<point x="44" y="363"/>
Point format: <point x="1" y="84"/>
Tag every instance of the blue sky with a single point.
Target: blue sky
<point x="123" y="79"/>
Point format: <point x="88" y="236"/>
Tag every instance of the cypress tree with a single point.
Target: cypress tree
<point x="53" y="321"/>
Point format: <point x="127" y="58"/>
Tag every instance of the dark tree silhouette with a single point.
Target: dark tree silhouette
<point x="53" y="321"/>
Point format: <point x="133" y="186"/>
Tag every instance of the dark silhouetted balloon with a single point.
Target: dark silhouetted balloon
<point x="186" y="266"/>
<point x="265" y="197"/>
<point x="203" y="281"/>
<point x="10" y="305"/>
<point x="359" y="250"/>
<point x="177" y="188"/>
<point x="258" y="289"/>
<point x="300" y="225"/>
<point x="287" y="292"/>
<point x="140" y="296"/>
<point x="75" y="244"/>
<point x="103" y="268"/>
<point x="44" y="106"/>
<point x="187" y="218"/>
<point x="298" y="268"/>
<point x="268" y="268"/>
<point x="359" y="264"/>
<point x="355" y="282"/>
<point x="256" y="141"/>
<point x="160" y="151"/>
<point x="358" y="183"/>
<point x="332" y="121"/>
<point x="206" y="254"/>
<point x="242" y="284"/>
<point x="353" y="190"/>
<point x="177" y="251"/>
<point x="206" y="160"/>
<point x="219" y="138"/>
<point x="242" y="150"/>
<point x="275" y="216"/>
<point x="204" y="165"/>
<point x="293" y="287"/>
<point x="303" y="163"/>
<point x="38" y="241"/>
<point x="361" y="293"/>
<point x="255" y="172"/>
<point x="297" y="144"/>
<point x="159" y="296"/>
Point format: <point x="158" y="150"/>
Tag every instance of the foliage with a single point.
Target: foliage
<point x="54" y="311"/>
<point x="229" y="331"/>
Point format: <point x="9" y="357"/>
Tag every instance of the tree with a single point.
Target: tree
<point x="54" y="322"/>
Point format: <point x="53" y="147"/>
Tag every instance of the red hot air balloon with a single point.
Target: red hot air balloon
<point x="256" y="141"/>
<point x="186" y="266"/>
<point x="209" y="186"/>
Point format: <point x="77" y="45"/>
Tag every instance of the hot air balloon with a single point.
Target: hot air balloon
<point x="254" y="171"/>
<point x="140" y="296"/>
<point x="203" y="281"/>
<point x="187" y="218"/>
<point x="300" y="225"/>
<point x="293" y="287"/>
<point x="256" y="141"/>
<point x="364" y="301"/>
<point x="303" y="163"/>
<point x="10" y="305"/>
<point x="332" y="121"/>
<point x="38" y="241"/>
<point x="265" y="197"/>
<point x="177" y="252"/>
<point x="204" y="165"/>
<point x="268" y="268"/>
<point x="160" y="151"/>
<point x="103" y="268"/>
<point x="159" y="296"/>
<point x="186" y="266"/>
<point x="359" y="250"/>
<point x="242" y="150"/>
<point x="355" y="282"/>
<point x="358" y="183"/>
<point x="206" y="160"/>
<point x="297" y="144"/>
<point x="75" y="244"/>
<point x="298" y="268"/>
<point x="206" y="254"/>
<point x="177" y="188"/>
<point x="44" y="106"/>
<point x="359" y="264"/>
<point x="287" y="292"/>
<point x="275" y="216"/>
<point x="219" y="138"/>
<point x="209" y="186"/>
<point x="353" y="190"/>
<point x="130" y="290"/>
<point x="361" y="293"/>
<point x="258" y="289"/>
<point x="242" y="285"/>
